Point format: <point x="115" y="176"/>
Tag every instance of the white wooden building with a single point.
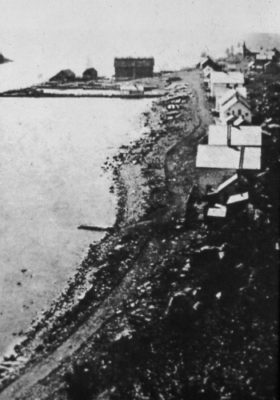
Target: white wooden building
<point x="224" y="157"/>
<point x="227" y="135"/>
<point x="238" y="106"/>
<point x="224" y="95"/>
<point x="221" y="81"/>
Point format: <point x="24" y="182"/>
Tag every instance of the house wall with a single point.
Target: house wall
<point x="237" y="110"/>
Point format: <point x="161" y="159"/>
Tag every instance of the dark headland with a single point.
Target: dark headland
<point x="3" y="59"/>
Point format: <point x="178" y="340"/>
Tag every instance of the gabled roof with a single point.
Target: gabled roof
<point x="230" y="93"/>
<point x="208" y="61"/>
<point x="203" y="61"/>
<point x="227" y="182"/>
<point x="223" y="157"/>
<point x="230" y="118"/>
<point x="227" y="78"/>
<point x="237" y="98"/>
<point x="224" y="185"/>
<point x="250" y="135"/>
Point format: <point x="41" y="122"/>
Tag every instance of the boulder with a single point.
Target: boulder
<point x="66" y="75"/>
<point x="90" y="74"/>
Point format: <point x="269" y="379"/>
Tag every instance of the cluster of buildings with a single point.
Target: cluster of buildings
<point x="232" y="146"/>
<point x="228" y="91"/>
<point x="261" y="59"/>
<point x="125" y="69"/>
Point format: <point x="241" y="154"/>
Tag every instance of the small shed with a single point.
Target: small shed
<point x="218" y="211"/>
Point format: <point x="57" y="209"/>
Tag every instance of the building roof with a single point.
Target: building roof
<point x="227" y="182"/>
<point x="265" y="55"/>
<point x="236" y="198"/>
<point x="230" y="118"/>
<point x="223" y="185"/>
<point x="227" y="78"/>
<point x="205" y="61"/>
<point x="218" y="211"/>
<point x="230" y="93"/>
<point x="223" y="157"/>
<point x="239" y="121"/>
<point x="247" y="135"/>
<point x="237" y="98"/>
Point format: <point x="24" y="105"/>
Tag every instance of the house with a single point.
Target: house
<point x="235" y="105"/>
<point x="224" y="157"/>
<point x="217" y="163"/>
<point x="221" y="81"/>
<point x="207" y="61"/>
<point x="249" y="53"/>
<point x="227" y="135"/>
<point x="208" y="66"/>
<point x="133" y="68"/>
<point x="224" y="95"/>
<point x="260" y="56"/>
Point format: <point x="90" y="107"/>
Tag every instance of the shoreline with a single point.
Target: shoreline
<point x="82" y="297"/>
<point x="176" y="307"/>
<point x="77" y="285"/>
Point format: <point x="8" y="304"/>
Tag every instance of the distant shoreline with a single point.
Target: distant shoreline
<point x="86" y="95"/>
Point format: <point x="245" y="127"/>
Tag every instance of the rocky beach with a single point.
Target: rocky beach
<point x="154" y="309"/>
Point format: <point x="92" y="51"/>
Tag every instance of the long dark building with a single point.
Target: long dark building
<point x="133" y="68"/>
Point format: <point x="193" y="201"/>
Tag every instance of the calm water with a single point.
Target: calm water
<point x="51" y="152"/>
